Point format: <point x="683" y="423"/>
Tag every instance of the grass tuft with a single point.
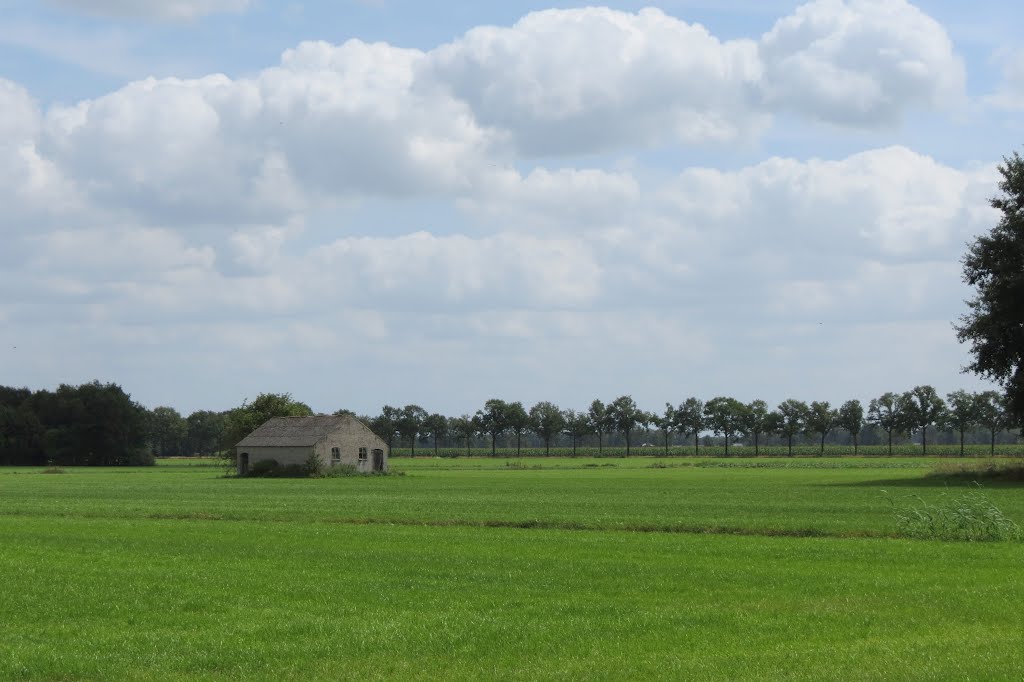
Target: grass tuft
<point x="968" y="517"/>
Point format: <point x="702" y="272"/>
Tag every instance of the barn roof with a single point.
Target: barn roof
<point x="292" y="431"/>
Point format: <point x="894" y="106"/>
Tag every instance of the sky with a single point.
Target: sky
<point x="369" y="202"/>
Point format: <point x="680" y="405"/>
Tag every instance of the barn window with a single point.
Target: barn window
<point x="362" y="454"/>
<point x="335" y="456"/>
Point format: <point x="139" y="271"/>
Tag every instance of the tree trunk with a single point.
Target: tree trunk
<point x="600" y="443"/>
<point x="961" y="443"/>
<point x="696" y="444"/>
<point x="855" y="445"/>
<point x="821" y="452"/>
<point x="494" y="438"/>
<point x="468" y="452"/>
<point x="666" y="443"/>
<point x="924" y="440"/>
<point x="992" y="452"/>
<point x="627" y="442"/>
<point x="890" y="442"/>
<point x="412" y="441"/>
<point x="726" y="443"/>
<point x="790" y="437"/>
<point x="757" y="450"/>
<point x="574" y="445"/>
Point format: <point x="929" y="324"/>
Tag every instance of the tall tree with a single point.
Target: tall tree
<point x="493" y="420"/>
<point x="885" y="413"/>
<point x="576" y="425"/>
<point x="624" y="415"/>
<point x="666" y="423"/>
<point x="690" y="419"/>
<point x="465" y="427"/>
<point x="792" y="418"/>
<point x="385" y="425"/>
<point x="205" y="431"/>
<point x="992" y="414"/>
<point x="821" y="419"/>
<point x="759" y="421"/>
<point x="922" y="407"/>
<point x="994" y="266"/>
<point x="547" y="421"/>
<point x="410" y="424"/>
<point x="518" y="420"/>
<point x="598" y="415"/>
<point x="962" y="415"/>
<point x="851" y="418"/>
<point x="725" y="416"/>
<point x="168" y="431"/>
<point x="437" y="426"/>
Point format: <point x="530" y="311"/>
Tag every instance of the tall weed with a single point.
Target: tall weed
<point x="967" y="517"/>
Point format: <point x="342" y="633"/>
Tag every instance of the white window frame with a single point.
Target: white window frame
<point x="364" y="455"/>
<point x="335" y="456"/>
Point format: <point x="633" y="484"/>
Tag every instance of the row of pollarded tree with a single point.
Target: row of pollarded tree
<point x="913" y="412"/>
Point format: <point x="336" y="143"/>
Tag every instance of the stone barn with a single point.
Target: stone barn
<point x="334" y="440"/>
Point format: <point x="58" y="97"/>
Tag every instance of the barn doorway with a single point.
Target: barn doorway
<point x="243" y="464"/>
<point x="378" y="460"/>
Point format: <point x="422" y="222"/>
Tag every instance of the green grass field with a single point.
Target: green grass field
<point x="495" y="568"/>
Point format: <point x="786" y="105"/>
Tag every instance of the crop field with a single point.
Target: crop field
<point x="504" y="568"/>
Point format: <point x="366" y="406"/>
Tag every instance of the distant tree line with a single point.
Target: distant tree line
<point x="919" y="414"/>
<point x="92" y="424"/>
<point x="99" y="424"/>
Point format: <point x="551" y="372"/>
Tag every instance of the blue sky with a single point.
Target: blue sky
<point x="387" y="201"/>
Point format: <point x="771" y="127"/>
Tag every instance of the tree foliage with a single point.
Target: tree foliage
<point x="518" y="420"/>
<point x="410" y="423"/>
<point x="247" y="417"/>
<point x="850" y="416"/>
<point x="792" y="419"/>
<point x="921" y="407"/>
<point x="690" y="419"/>
<point x="885" y="413"/>
<point x="547" y="421"/>
<point x="994" y="266"/>
<point x="758" y="421"/>
<point x="91" y="424"/>
<point x="820" y="420"/>
<point x="962" y="413"/>
<point x="493" y="420"/>
<point x="624" y="415"/>
<point x="725" y="417"/>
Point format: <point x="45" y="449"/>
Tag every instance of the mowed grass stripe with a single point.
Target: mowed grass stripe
<point x="146" y="599"/>
<point x="798" y="501"/>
